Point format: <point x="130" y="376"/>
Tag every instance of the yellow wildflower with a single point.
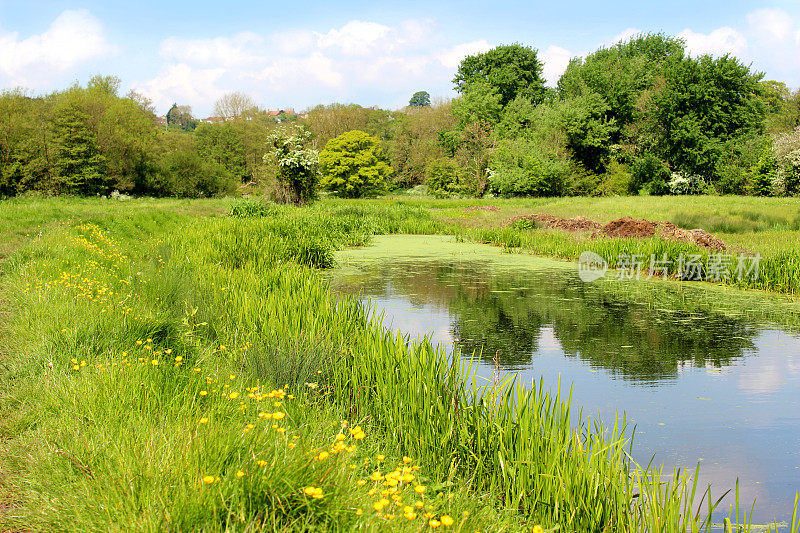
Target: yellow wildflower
<point x="314" y="492"/>
<point x="208" y="480"/>
<point x="447" y="520"/>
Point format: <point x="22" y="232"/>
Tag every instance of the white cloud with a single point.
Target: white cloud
<point x="74" y="38"/>
<point x="182" y="84"/>
<point x="775" y="24"/>
<point x="721" y="41"/>
<point x="236" y="50"/>
<point x="452" y="57"/>
<point x="555" y="61"/>
<point x="293" y="42"/>
<point x="301" y="67"/>
<point x="624" y="35"/>
<point x="356" y="38"/>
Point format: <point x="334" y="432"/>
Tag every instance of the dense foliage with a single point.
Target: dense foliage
<point x="352" y="165"/>
<point x="297" y="162"/>
<point x="640" y="116"/>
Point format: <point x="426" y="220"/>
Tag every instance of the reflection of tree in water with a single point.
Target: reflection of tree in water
<point x="503" y="313"/>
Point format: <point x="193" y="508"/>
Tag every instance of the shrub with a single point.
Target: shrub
<point x="765" y="173"/>
<point x="444" y="177"/>
<point x="297" y="163"/>
<point x="190" y="175"/>
<point x="733" y="179"/>
<point x="518" y="170"/>
<point x="615" y="181"/>
<point x="651" y="174"/>
<point x="790" y="172"/>
<point x="352" y="165"/>
<point x="681" y="183"/>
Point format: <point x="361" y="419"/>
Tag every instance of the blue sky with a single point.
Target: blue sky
<point x="297" y="54"/>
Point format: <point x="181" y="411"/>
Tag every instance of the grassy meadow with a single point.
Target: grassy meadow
<point x="181" y="365"/>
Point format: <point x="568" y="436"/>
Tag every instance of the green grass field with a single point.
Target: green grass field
<point x="166" y="366"/>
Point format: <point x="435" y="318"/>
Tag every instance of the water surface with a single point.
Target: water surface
<point x="706" y="374"/>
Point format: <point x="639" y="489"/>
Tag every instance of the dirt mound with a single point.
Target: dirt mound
<point x="481" y="208"/>
<point x="699" y="237"/>
<point x="630" y="227"/>
<point x="545" y="220"/>
<point x="627" y="227"/>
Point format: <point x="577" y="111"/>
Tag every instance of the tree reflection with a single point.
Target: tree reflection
<point x="503" y="314"/>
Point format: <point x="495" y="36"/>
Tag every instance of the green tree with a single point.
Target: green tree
<point x="444" y="177"/>
<point x="648" y="172"/>
<point x="352" y="165"/>
<point x="512" y="70"/>
<point x="181" y="116"/>
<point x="764" y="174"/>
<point x="705" y="106"/>
<point x="222" y="143"/>
<point x="108" y="84"/>
<point x="420" y="99"/>
<point x="80" y="166"/>
<point x="297" y="162"/>
<point x="26" y="144"/>
<point x="621" y="75"/>
<point x="481" y="102"/>
<point x="586" y="128"/>
<point x="518" y="170"/>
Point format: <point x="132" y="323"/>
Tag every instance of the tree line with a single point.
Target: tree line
<point x="638" y="117"/>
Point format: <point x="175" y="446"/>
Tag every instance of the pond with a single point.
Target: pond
<point x="706" y="374"/>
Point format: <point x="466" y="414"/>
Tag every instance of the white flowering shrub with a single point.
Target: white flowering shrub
<point x="681" y="183"/>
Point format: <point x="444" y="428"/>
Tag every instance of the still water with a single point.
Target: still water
<point x="706" y="374"/>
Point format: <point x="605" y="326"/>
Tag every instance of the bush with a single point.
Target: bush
<point x="790" y="172"/>
<point x="444" y="177"/>
<point x="297" y="164"/>
<point x="733" y="179"/>
<point x="681" y="183"/>
<point x="615" y="181"/>
<point x="765" y="173"/>
<point x="518" y="170"/>
<point x="651" y="174"/>
<point x="352" y="165"/>
<point x="188" y="174"/>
